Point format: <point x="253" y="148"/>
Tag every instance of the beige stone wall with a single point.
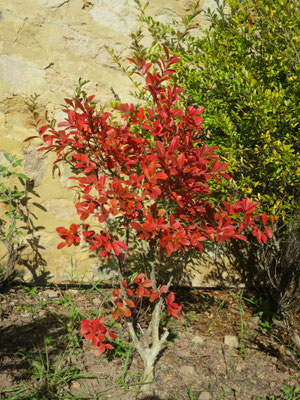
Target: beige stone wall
<point x="45" y="46"/>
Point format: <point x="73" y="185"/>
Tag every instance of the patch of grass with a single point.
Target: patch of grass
<point x="51" y="379"/>
<point x="121" y="349"/>
<point x="71" y="323"/>
<point x="30" y="291"/>
<point x="288" y="393"/>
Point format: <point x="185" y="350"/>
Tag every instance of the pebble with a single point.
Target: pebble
<point x="231" y="341"/>
<point x="254" y="322"/>
<point x="75" y="385"/>
<point x="240" y="367"/>
<point x="42" y="314"/>
<point x="198" y="339"/>
<point x="25" y="315"/>
<point x="188" y="371"/>
<point x="96" y="301"/>
<point x="72" y="291"/>
<point x="51" y="294"/>
<point x="204" y="396"/>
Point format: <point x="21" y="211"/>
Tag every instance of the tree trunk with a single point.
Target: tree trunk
<point x="149" y="346"/>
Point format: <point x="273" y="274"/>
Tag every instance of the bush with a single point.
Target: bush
<point x="244" y="70"/>
<point x="142" y="184"/>
<point x="11" y="198"/>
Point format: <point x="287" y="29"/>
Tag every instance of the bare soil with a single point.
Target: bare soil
<point x="195" y="364"/>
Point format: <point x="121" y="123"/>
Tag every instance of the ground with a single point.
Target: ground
<point x="222" y="347"/>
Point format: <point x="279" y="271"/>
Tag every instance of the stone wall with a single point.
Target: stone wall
<point x="45" y="46"/>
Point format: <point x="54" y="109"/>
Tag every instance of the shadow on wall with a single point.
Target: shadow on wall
<point x="34" y="259"/>
<point x="239" y="263"/>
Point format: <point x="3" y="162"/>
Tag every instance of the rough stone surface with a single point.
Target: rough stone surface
<point x="53" y="3"/>
<point x="119" y="15"/>
<point x="35" y="164"/>
<point x="20" y="73"/>
<point x="231" y="341"/>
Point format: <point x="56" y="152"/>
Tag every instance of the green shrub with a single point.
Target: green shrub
<point x="244" y="70"/>
<point x="10" y="213"/>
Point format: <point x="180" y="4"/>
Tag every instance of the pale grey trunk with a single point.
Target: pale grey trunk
<point x="149" y="346"/>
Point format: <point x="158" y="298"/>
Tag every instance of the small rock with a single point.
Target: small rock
<point x="240" y="367"/>
<point x="75" y="385"/>
<point x="96" y="301"/>
<point x="42" y="314"/>
<point x="205" y="396"/>
<point x="224" y="276"/>
<point x="25" y="315"/>
<point x="198" y="339"/>
<point x="51" y="294"/>
<point x="187" y="370"/>
<point x="72" y="292"/>
<point x="231" y="341"/>
<point x="80" y="298"/>
<point x="254" y="322"/>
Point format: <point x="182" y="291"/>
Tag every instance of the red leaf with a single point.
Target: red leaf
<point x="173" y="145"/>
<point x="85" y="327"/>
<point x="30" y="138"/>
<point x="264" y="238"/>
<point x="153" y="297"/>
<point x="102" y="348"/>
<point x="161" y="175"/>
<point x="268" y="232"/>
<point x="135" y="225"/>
<point x="125" y="311"/>
<point x="180" y="160"/>
<point x="140" y="292"/>
<point x="61" y="245"/>
<point x="130" y="303"/>
<point x="112" y="335"/>
<point x="146" y="68"/>
<point x="166" y="51"/>
<point x="161" y="151"/>
<point x="164" y="289"/>
<point x="170" y="298"/>
<point x="122" y="245"/>
<point x="115" y="248"/>
<point x="264" y="218"/>
<point x="116" y="314"/>
<point x="147" y="283"/>
<point x="43" y="129"/>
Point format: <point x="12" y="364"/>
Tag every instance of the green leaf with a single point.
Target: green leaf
<point x="22" y="176"/>
<point x="17" y="163"/>
<point x="7" y="157"/>
<point x="4" y="198"/>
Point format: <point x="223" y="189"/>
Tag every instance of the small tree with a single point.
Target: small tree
<point x="146" y="180"/>
<point x="244" y="68"/>
<point x="11" y="197"/>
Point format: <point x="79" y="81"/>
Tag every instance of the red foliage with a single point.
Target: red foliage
<point x="95" y="331"/>
<point x="159" y="175"/>
<point x="156" y="155"/>
<point x="143" y="288"/>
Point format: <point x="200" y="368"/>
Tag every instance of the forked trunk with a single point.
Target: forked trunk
<point x="149" y="346"/>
